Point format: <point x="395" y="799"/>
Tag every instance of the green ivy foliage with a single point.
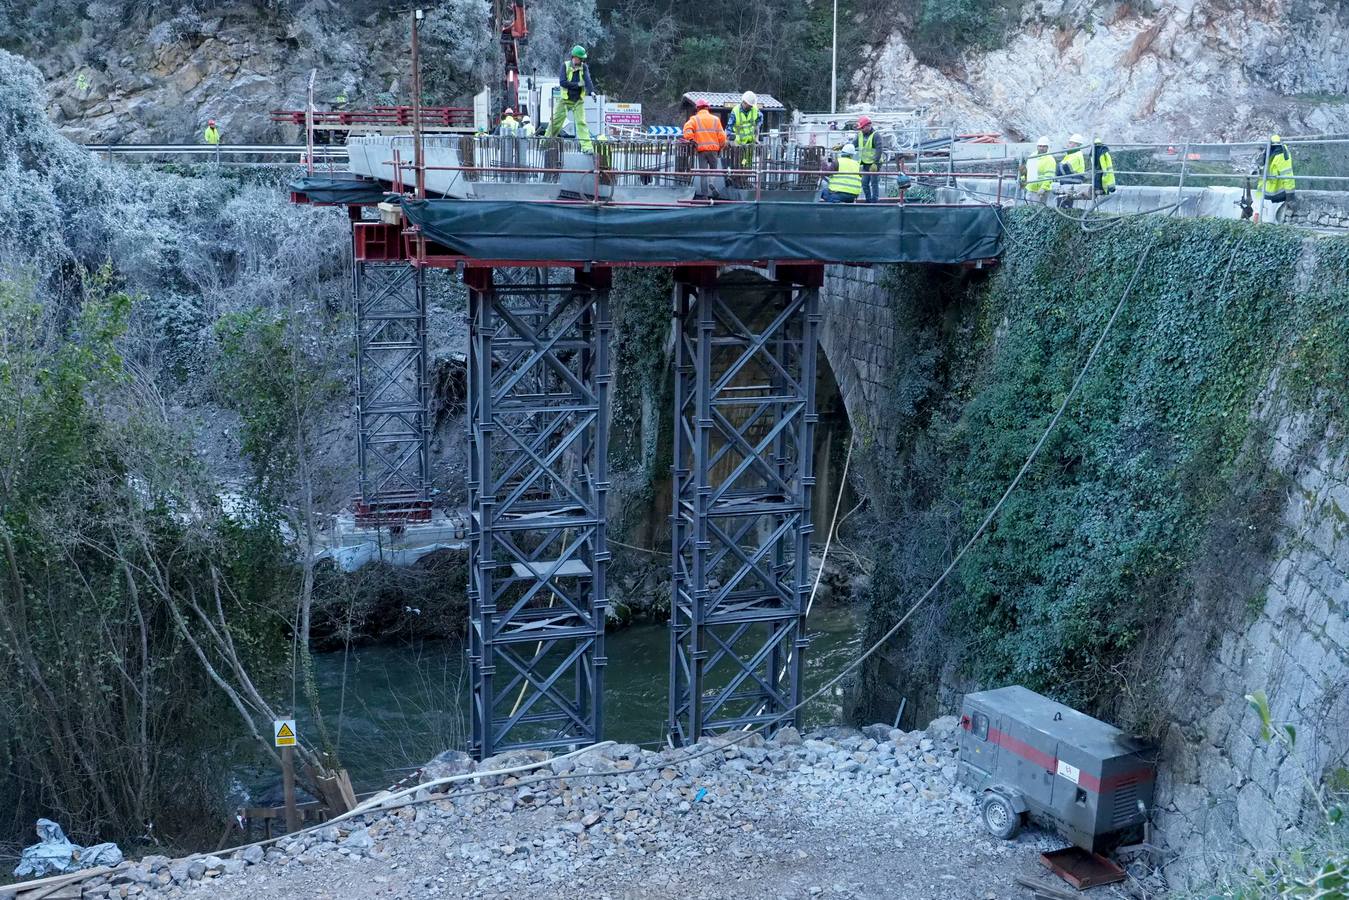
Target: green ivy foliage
<point x="1089" y="551"/>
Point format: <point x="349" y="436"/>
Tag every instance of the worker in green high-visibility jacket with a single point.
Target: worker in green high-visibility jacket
<point x="1276" y="182"/>
<point x="574" y="79"/>
<point x="845" y="185"/>
<point x="744" y="124"/>
<point x="869" y="157"/>
<point x="1038" y="179"/>
<point x="212" y="134"/>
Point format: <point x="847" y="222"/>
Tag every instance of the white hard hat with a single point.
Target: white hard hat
<point x="1042" y="142"/>
<point x="849" y="150"/>
<point x="1076" y="138"/>
<point x="749" y="97"/>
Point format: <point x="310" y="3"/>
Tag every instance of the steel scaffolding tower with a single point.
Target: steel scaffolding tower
<point x="743" y="477"/>
<point x="538" y="387"/>
<point x="392" y="393"/>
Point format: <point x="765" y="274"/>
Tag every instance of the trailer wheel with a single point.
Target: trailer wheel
<point x="999" y="818"/>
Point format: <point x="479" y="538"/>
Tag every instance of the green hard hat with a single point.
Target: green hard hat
<point x="578" y="50"/>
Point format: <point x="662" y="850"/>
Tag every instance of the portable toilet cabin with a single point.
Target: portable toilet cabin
<point x="1025" y="754"/>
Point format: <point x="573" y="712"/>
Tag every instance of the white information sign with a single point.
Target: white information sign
<point x="1072" y="773"/>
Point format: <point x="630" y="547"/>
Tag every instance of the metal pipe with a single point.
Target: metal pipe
<point x="417" y="15"/>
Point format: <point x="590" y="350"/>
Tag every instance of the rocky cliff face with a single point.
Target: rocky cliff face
<point x="160" y="75"/>
<point x="1189" y="69"/>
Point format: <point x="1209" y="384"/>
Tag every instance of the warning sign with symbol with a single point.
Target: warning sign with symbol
<point x="284" y="730"/>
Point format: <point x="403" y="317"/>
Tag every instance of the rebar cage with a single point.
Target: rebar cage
<point x="743" y="479"/>
<point x="538" y="386"/>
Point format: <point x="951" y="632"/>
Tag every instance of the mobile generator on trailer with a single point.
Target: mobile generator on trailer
<point x="1025" y="754"/>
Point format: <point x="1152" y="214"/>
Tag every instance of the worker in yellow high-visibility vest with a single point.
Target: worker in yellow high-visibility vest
<point x="1038" y="179"/>
<point x="212" y="134"/>
<point x="845" y="185"/>
<point x="1277" y="182"/>
<point x="869" y="158"/>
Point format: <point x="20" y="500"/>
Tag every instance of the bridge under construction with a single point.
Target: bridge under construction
<point x="537" y="260"/>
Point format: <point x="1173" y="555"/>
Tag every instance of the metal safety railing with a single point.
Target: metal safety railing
<point x="225" y="154"/>
<point x="380" y="116"/>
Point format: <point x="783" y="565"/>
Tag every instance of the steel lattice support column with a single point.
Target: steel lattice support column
<point x="743" y="477"/>
<point x="392" y="392"/>
<point x="538" y="386"/>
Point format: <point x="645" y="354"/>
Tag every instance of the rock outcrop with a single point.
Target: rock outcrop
<point x="1188" y="70"/>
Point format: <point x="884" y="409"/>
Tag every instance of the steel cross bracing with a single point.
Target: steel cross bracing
<point x="392" y="392"/>
<point x="743" y="477"/>
<point x="538" y="387"/>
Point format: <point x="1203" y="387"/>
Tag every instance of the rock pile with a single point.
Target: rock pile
<point x="619" y="814"/>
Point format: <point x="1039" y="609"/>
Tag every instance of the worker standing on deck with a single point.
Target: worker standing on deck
<point x="869" y="157"/>
<point x="745" y="122"/>
<point x="526" y="126"/>
<point x="1276" y="164"/>
<point x="212" y="134"/>
<point x="1103" y="168"/>
<point x="509" y="126"/>
<point x="845" y="185"/>
<point x="1072" y="169"/>
<point x="708" y="136"/>
<point x="575" y="83"/>
<point x="1039" y="177"/>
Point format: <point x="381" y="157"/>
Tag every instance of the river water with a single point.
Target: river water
<point x="392" y="707"/>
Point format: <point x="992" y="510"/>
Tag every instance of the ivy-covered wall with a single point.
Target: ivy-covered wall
<point x="1094" y="548"/>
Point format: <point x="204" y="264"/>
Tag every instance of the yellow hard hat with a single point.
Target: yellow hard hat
<point x="1274" y="139"/>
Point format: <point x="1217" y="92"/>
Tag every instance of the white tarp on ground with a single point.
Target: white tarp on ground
<point x="56" y="855"/>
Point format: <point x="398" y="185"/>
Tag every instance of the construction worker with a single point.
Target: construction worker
<point x="212" y="134"/>
<point x="1038" y="179"/>
<point x="869" y="157"/>
<point x="1074" y="162"/>
<point x="574" y="78"/>
<point x="526" y="126"/>
<point x="1103" y="168"/>
<point x="1276" y="168"/>
<point x="509" y="125"/>
<point x="708" y="136"/>
<point x="744" y="123"/>
<point x="845" y="185"/>
<point x="1072" y="169"/>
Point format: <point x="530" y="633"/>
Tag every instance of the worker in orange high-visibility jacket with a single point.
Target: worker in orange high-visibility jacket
<point x="708" y="136"/>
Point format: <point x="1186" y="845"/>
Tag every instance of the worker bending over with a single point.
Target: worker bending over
<point x="1038" y="179"/>
<point x="845" y="184"/>
<point x="869" y="158"/>
<point x="745" y="123"/>
<point x="708" y="136"/>
<point x="1275" y="166"/>
<point x="574" y="78"/>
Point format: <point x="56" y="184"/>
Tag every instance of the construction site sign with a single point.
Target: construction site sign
<point x="622" y="114"/>
<point x="284" y="732"/>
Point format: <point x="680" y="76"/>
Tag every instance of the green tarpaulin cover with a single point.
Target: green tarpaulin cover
<point x="339" y="189"/>
<point x="738" y="232"/>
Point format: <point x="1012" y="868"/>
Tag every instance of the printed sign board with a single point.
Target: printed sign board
<point x="1072" y="773"/>
<point x="284" y="732"/>
<point x="622" y="114"/>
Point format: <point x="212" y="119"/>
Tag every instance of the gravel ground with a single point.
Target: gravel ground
<point x="838" y="814"/>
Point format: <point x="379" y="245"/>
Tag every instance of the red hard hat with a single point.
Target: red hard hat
<point x="210" y="121"/>
<point x="863" y="122"/>
<point x="701" y="104"/>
